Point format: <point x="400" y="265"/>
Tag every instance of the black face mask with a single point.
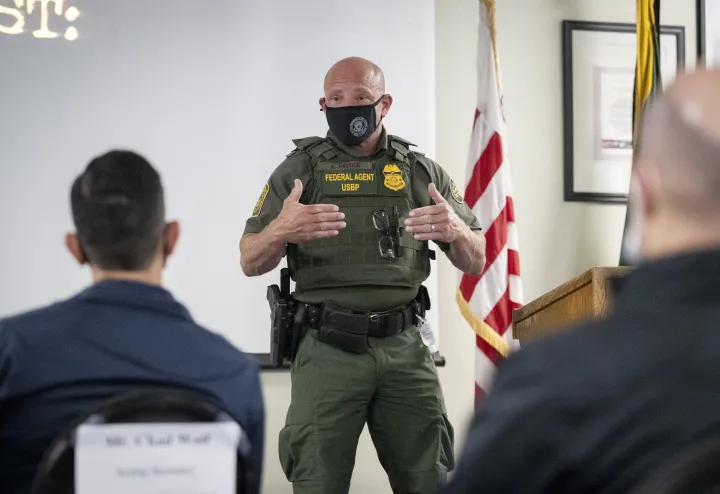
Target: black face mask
<point x="352" y="125"/>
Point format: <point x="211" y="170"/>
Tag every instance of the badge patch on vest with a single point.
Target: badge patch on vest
<point x="261" y="200"/>
<point x="455" y="193"/>
<point x="393" y="178"/>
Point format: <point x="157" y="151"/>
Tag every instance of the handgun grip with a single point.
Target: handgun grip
<point x="273" y="295"/>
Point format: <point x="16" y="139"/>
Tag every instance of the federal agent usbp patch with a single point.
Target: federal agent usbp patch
<point x="393" y="178"/>
<point x="261" y="200"/>
<point x="455" y="193"/>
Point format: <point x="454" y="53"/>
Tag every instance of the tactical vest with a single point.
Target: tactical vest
<point x="360" y="187"/>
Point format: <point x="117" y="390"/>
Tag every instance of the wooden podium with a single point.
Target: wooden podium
<point x="589" y="296"/>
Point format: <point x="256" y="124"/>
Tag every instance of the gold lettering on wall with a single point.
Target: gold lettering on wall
<point x="17" y="26"/>
<point x="71" y="14"/>
<point x="44" y="31"/>
<point x="18" y="19"/>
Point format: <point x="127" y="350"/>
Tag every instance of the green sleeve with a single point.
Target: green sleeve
<point x="432" y="172"/>
<point x="277" y="188"/>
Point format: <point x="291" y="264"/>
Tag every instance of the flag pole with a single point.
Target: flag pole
<point x="648" y="83"/>
<point x="487" y="301"/>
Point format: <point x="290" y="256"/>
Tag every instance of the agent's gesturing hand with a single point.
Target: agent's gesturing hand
<point x="438" y="222"/>
<point x="298" y="223"/>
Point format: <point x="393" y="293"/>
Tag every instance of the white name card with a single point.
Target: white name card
<point x="193" y="458"/>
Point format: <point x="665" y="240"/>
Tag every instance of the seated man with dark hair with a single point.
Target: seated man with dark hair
<point x="123" y="333"/>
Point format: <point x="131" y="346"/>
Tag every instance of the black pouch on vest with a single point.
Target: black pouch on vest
<point x="343" y="328"/>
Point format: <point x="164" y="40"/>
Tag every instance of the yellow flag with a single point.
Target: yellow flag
<point x="647" y="69"/>
<point x="648" y="81"/>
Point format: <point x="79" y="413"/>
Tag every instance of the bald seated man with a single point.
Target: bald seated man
<point x="600" y="408"/>
<point x="354" y="211"/>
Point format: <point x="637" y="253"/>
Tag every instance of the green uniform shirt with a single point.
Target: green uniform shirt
<point x="374" y="298"/>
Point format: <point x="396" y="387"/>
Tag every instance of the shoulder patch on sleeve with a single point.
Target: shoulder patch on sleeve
<point x="261" y="200"/>
<point x="455" y="192"/>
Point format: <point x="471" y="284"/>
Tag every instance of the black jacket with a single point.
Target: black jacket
<point x="597" y="408"/>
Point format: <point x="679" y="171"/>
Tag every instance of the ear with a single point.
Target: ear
<point x="73" y="246"/>
<point x="172" y="234"/>
<point x="385" y="105"/>
<point x="322" y="104"/>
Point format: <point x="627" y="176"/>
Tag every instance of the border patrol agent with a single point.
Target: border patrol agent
<point x="353" y="212"/>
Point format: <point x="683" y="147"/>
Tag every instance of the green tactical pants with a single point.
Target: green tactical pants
<point x="394" y="388"/>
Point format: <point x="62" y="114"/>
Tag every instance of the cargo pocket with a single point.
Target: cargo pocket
<point x="447" y="444"/>
<point x="298" y="452"/>
<point x="296" y="443"/>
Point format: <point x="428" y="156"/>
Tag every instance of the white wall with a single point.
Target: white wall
<point x="211" y="148"/>
<point x="557" y="240"/>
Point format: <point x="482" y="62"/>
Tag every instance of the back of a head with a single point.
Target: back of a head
<point x="681" y="138"/>
<point x="118" y="210"/>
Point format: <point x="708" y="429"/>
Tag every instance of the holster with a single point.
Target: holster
<point x="343" y="328"/>
<point x="283" y="326"/>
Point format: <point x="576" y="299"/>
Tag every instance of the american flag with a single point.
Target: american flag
<point x="487" y="301"/>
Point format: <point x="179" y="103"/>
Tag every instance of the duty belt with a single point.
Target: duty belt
<point x="380" y="324"/>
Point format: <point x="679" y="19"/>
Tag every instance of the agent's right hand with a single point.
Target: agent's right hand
<point x="298" y="223"/>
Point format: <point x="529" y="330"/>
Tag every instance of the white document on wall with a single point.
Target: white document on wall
<point x="193" y="458"/>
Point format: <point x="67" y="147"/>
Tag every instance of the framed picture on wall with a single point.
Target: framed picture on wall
<point x="708" y="32"/>
<point x="598" y="81"/>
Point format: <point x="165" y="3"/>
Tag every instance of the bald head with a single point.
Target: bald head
<point x="680" y="144"/>
<point x="355" y="70"/>
<point x="356" y="82"/>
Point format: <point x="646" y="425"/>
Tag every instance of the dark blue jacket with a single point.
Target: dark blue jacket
<point x="59" y="362"/>
<point x="598" y="408"/>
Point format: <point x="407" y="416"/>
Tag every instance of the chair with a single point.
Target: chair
<point x="695" y="470"/>
<point x="56" y="472"/>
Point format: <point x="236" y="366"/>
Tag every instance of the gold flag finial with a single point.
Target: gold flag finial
<point x="490" y="7"/>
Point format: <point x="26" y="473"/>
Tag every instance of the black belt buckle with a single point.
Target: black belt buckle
<point x="393" y="322"/>
<point x="377" y="325"/>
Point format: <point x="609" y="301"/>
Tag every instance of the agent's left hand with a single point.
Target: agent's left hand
<point x="438" y="222"/>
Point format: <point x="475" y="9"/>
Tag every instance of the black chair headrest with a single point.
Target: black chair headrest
<point x="56" y="472"/>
